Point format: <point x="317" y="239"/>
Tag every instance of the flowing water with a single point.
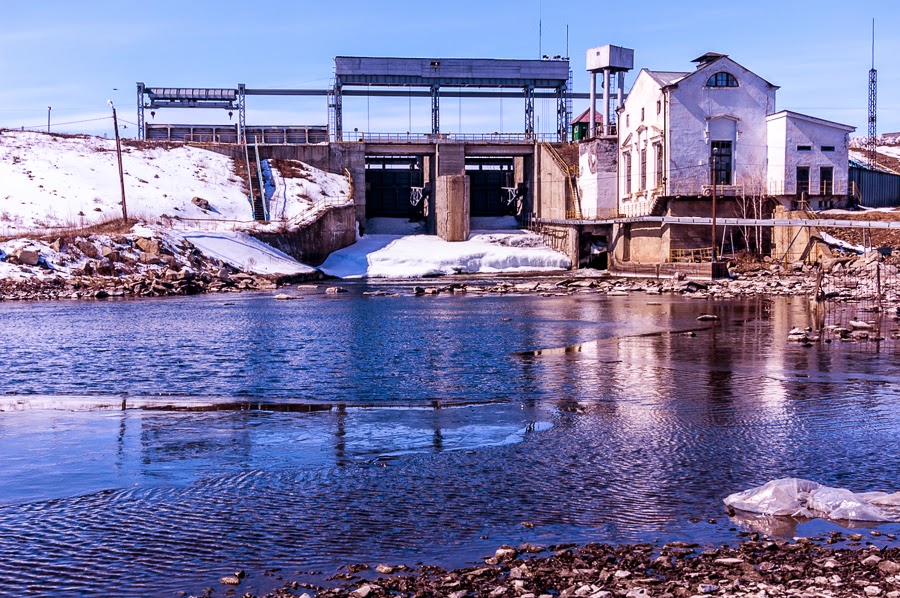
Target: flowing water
<point x="290" y="438"/>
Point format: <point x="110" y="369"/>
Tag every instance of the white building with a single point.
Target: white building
<point x="680" y="131"/>
<point x="808" y="158"/>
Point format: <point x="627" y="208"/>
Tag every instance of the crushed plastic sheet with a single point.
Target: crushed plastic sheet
<point x="796" y="497"/>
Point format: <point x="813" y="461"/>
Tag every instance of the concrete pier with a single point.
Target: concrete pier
<point x="451" y="200"/>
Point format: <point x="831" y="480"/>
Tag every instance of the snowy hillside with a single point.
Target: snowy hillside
<point x="49" y="181"/>
<point x="192" y="200"/>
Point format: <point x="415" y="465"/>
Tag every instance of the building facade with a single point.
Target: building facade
<point x="685" y="136"/>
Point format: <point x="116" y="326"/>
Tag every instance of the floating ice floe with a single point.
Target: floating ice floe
<point x="796" y="497"/>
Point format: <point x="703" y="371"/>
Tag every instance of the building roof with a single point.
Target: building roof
<point x="584" y="117"/>
<point x="707" y="58"/>
<point x="711" y="57"/>
<point x="666" y="78"/>
<point x="810" y="119"/>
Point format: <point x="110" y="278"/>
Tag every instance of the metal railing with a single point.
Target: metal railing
<point x="485" y="138"/>
<point x="598" y="214"/>
<point x="745" y="188"/>
<point x="205" y="138"/>
<point x="691" y="256"/>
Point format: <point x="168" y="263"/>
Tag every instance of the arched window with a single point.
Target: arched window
<point x="722" y="79"/>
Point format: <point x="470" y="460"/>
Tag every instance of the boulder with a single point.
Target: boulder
<point x="505" y="554"/>
<point x="28" y="257"/>
<point x="148" y="245"/>
<point x="88" y="249"/>
<point x="200" y="203"/>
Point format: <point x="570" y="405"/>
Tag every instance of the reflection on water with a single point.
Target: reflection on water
<point x="339" y="429"/>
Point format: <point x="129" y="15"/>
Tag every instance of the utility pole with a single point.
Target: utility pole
<point x="48" y="119"/>
<point x="712" y="177"/>
<point x="119" y="155"/>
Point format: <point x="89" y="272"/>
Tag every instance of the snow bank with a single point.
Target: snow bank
<point x="795" y="497"/>
<point x="51" y="181"/>
<point x="244" y="252"/>
<point x="835" y="242"/>
<point x="394" y="256"/>
<point x="300" y="198"/>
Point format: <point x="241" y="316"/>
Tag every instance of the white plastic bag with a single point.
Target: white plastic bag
<point x="786" y="496"/>
<point x="840" y="503"/>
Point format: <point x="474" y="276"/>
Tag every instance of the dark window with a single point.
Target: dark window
<point x="827" y="148"/>
<point x="627" y="120"/>
<point x="722" y="80"/>
<point x="804" y="148"/>
<point x="659" y="165"/>
<point x="658" y="106"/>
<point x="802" y="180"/>
<point x="720" y="155"/>
<point x="826" y="178"/>
<point x="643" y="169"/>
<point x="642" y="115"/>
<point x="627" y="157"/>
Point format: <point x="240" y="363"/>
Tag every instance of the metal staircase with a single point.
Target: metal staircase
<point x="571" y="174"/>
<point x="255" y="183"/>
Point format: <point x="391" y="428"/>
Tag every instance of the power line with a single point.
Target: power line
<point x="73" y="122"/>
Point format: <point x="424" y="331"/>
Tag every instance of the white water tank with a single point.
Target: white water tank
<point x="614" y="58"/>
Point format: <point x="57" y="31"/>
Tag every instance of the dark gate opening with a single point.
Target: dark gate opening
<point x="389" y="180"/>
<point x="594" y="252"/>
<point x="488" y="180"/>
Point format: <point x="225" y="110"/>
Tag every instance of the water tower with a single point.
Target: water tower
<point x="611" y="61"/>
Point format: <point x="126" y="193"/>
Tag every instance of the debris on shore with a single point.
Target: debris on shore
<point x="758" y="567"/>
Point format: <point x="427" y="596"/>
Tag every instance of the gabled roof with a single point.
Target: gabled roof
<point x="712" y="57"/>
<point x="666" y="78"/>
<point x="811" y="119"/>
<point x="584" y="117"/>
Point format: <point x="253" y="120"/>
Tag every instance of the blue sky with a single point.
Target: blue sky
<point x="73" y="56"/>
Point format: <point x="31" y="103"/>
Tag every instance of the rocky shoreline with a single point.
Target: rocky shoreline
<point x="131" y="265"/>
<point x="757" y="567"/>
<point x="123" y="265"/>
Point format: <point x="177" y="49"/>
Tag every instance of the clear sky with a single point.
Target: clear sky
<point x="73" y="56"/>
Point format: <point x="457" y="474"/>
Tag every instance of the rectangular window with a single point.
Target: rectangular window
<point x="642" y="115"/>
<point x="802" y="180"/>
<point x="827" y="148"/>
<point x="658" y="106"/>
<point x="658" y="175"/>
<point x="826" y="180"/>
<point x="720" y="156"/>
<point x="643" y="169"/>
<point x="804" y="148"/>
<point x="626" y="157"/>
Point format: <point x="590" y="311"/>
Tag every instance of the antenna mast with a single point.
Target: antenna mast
<point x="871" y="154"/>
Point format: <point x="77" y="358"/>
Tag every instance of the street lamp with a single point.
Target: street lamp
<point x="119" y="155"/>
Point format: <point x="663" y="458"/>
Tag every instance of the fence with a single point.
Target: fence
<point x="596" y="214"/>
<point x="482" y="138"/>
<point x="691" y="256"/>
<point x="856" y="296"/>
<point x="876" y="189"/>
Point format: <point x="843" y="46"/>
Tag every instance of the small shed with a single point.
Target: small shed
<point x="581" y="125"/>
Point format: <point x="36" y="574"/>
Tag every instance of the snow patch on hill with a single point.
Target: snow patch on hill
<point x="50" y="181"/>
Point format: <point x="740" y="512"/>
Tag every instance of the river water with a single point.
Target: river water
<point x="290" y="438"/>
